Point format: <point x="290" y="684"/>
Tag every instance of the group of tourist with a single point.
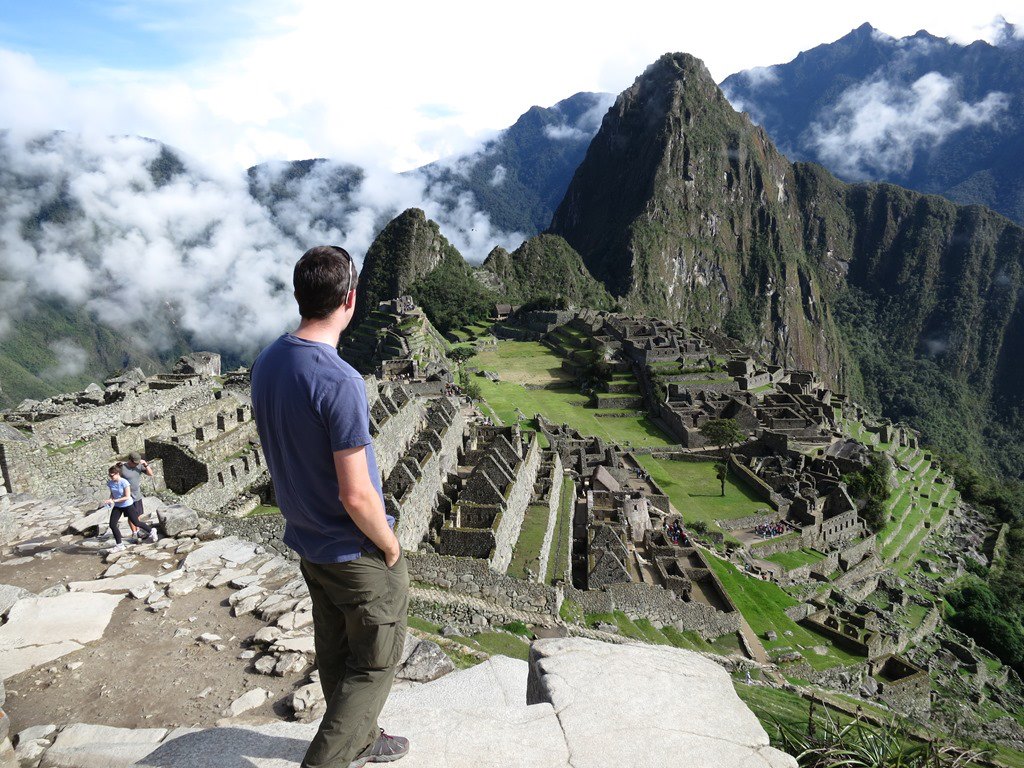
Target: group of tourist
<point x="677" y="534"/>
<point x="124" y="480"/>
<point x="770" y="530"/>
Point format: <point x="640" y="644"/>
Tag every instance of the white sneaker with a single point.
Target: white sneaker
<point x="118" y="548"/>
<point x="152" y="535"/>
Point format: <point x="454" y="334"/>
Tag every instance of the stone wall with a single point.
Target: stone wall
<point x="472" y="576"/>
<point x="393" y="435"/>
<point x="657" y="604"/>
<point x="759" y="486"/>
<point x="267" y="530"/>
<point x="68" y="456"/>
<point x="748" y="522"/>
<point x="182" y="467"/>
<point x="438" y="446"/>
<point x="228" y="480"/>
<point x="853" y="554"/>
<point x="506" y="532"/>
<point x="769" y="547"/>
<point x="554" y="507"/>
<point x="137" y="407"/>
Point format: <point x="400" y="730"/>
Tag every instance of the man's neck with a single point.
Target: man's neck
<point x="326" y="331"/>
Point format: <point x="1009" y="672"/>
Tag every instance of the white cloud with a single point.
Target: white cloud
<point x="498" y="176"/>
<point x="71" y="359"/>
<point x="564" y="132"/>
<point x="761" y="76"/>
<point x="363" y="82"/>
<point x="198" y="251"/>
<point x="879" y="126"/>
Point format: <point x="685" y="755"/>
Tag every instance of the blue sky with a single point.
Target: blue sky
<point x="147" y="35"/>
<point x="395" y="84"/>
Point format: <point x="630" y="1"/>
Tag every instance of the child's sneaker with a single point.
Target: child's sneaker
<point x="152" y="535"/>
<point x="118" y="548"/>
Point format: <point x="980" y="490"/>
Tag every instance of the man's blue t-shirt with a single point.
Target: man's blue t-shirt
<point x="308" y="403"/>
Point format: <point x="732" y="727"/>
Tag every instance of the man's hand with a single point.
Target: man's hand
<point x="391" y="557"/>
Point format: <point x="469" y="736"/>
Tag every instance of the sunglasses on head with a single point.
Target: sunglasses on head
<point x="352" y="276"/>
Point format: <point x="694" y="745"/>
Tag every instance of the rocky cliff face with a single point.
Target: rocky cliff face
<point x="934" y="306"/>
<point x="410" y="247"/>
<point x="686" y="210"/>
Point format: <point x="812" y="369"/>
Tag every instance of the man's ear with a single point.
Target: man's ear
<point x="350" y="300"/>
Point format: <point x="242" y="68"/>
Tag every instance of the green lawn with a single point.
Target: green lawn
<point x="531" y="539"/>
<point x="521" y="362"/>
<point x="557" y="560"/>
<point x="797" y="559"/>
<point x="264" y="509"/>
<point x="763" y="605"/>
<point x="696" y="492"/>
<point x="501" y="644"/>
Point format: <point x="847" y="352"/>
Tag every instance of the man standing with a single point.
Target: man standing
<point x="132" y="471"/>
<point x="313" y="420"/>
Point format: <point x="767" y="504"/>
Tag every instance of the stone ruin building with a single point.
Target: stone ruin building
<point x="622" y="558"/>
<point x="807" y="493"/>
<point x="194" y="426"/>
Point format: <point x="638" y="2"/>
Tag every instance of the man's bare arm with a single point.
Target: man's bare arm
<point x="362" y="502"/>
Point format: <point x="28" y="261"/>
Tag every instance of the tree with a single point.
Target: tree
<point x="472" y="390"/>
<point x="722" y="432"/>
<point x="722" y="472"/>
<point x="461" y="354"/>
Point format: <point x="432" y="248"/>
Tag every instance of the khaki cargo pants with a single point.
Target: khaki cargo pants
<point x="359" y="622"/>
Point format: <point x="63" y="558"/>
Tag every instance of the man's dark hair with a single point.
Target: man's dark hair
<point x="322" y="279"/>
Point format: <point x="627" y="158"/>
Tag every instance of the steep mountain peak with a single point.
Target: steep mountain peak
<point x="410" y="247"/>
<point x="684" y="209"/>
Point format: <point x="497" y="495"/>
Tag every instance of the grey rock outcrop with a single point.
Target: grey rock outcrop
<point x="176" y="518"/>
<point x="595" y="705"/>
<point x="590" y="684"/>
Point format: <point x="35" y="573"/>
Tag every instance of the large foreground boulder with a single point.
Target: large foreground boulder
<point x="638" y="705"/>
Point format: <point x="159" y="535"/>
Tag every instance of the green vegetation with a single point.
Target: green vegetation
<point x="872" y="485"/>
<point x="558" y="560"/>
<point x="722" y="432"/>
<point x="797" y="559"/>
<point x="763" y="604"/>
<point x="546" y="269"/>
<point x="694" y="491"/>
<point x="857" y="744"/>
<point x="976" y="608"/>
<point x="451" y="296"/>
<point x="31" y="358"/>
<point x="423" y="625"/>
<point x="618" y="619"/>
<point x="571" y="611"/>
<point x="265" y="509"/>
<point x="526" y="554"/>
<point x="520" y="362"/>
<point x="501" y="644"/>
<point x="518" y="628"/>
